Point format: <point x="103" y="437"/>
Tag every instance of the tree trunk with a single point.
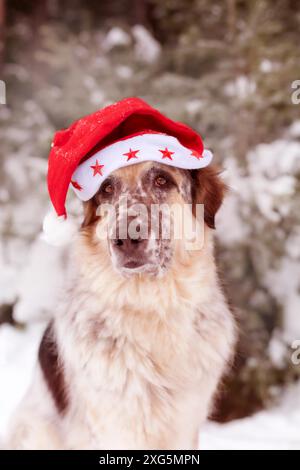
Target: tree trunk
<point x="39" y="17"/>
<point x="231" y="19"/>
<point x="139" y="12"/>
<point x="40" y="13"/>
<point x="2" y="32"/>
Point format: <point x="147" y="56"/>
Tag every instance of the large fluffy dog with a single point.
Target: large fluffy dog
<point x="135" y="351"/>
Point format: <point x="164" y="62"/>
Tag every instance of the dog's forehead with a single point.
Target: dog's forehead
<point x="133" y="174"/>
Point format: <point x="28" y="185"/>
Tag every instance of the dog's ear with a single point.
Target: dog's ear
<point x="208" y="189"/>
<point x="90" y="211"/>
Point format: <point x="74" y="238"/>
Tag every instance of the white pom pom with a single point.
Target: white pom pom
<point x="58" y="231"/>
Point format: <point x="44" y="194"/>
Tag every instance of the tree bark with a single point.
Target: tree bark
<point x="2" y="32"/>
<point x="40" y="13"/>
<point x="139" y="15"/>
<point x="231" y="19"/>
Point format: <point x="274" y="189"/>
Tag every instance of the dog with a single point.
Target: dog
<point x="138" y="345"/>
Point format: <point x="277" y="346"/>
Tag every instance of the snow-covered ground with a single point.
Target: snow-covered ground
<point x="18" y="353"/>
<point x="274" y="429"/>
<point x="277" y="428"/>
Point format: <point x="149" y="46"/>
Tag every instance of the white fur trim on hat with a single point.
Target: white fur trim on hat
<point x="58" y="231"/>
<point x="162" y="148"/>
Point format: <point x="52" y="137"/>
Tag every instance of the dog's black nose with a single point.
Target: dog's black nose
<point x="130" y="246"/>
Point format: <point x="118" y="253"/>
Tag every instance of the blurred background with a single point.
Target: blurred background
<point x="226" y="68"/>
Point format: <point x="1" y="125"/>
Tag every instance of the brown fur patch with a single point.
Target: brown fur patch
<point x="208" y="189"/>
<point x="52" y="370"/>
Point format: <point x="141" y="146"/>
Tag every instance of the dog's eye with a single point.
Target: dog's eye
<point x="160" y="181"/>
<point x="107" y="187"/>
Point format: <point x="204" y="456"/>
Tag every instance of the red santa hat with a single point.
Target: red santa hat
<point x="125" y="133"/>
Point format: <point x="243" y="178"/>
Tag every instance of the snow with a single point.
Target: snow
<point x="274" y="429"/>
<point x="2" y="92"/>
<point x="229" y="216"/>
<point x="267" y="66"/>
<point x="194" y="106"/>
<point x="8" y="275"/>
<point x="264" y="194"/>
<point x="294" y="129"/>
<point x="241" y="88"/>
<point x="11" y="259"/>
<point x="38" y="294"/>
<point x="124" y="72"/>
<point x="18" y="352"/>
<point x="277" y="350"/>
<point x="287" y="293"/>
<point x="275" y="158"/>
<point x="272" y="177"/>
<point x="116" y="37"/>
<point x="146" y="48"/>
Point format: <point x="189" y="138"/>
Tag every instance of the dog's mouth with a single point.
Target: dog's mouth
<point x="132" y="267"/>
<point x="134" y="264"/>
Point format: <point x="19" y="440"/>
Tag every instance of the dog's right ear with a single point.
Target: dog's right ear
<point x="90" y="213"/>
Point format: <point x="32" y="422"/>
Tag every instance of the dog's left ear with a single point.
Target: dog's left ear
<point x="209" y="189"/>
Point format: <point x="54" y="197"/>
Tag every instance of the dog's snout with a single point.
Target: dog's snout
<point x="130" y="244"/>
<point x="133" y="244"/>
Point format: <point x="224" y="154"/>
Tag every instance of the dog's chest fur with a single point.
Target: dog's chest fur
<point x="139" y="359"/>
<point x="141" y="368"/>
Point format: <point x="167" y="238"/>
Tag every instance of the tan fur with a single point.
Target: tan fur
<point x="142" y="355"/>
